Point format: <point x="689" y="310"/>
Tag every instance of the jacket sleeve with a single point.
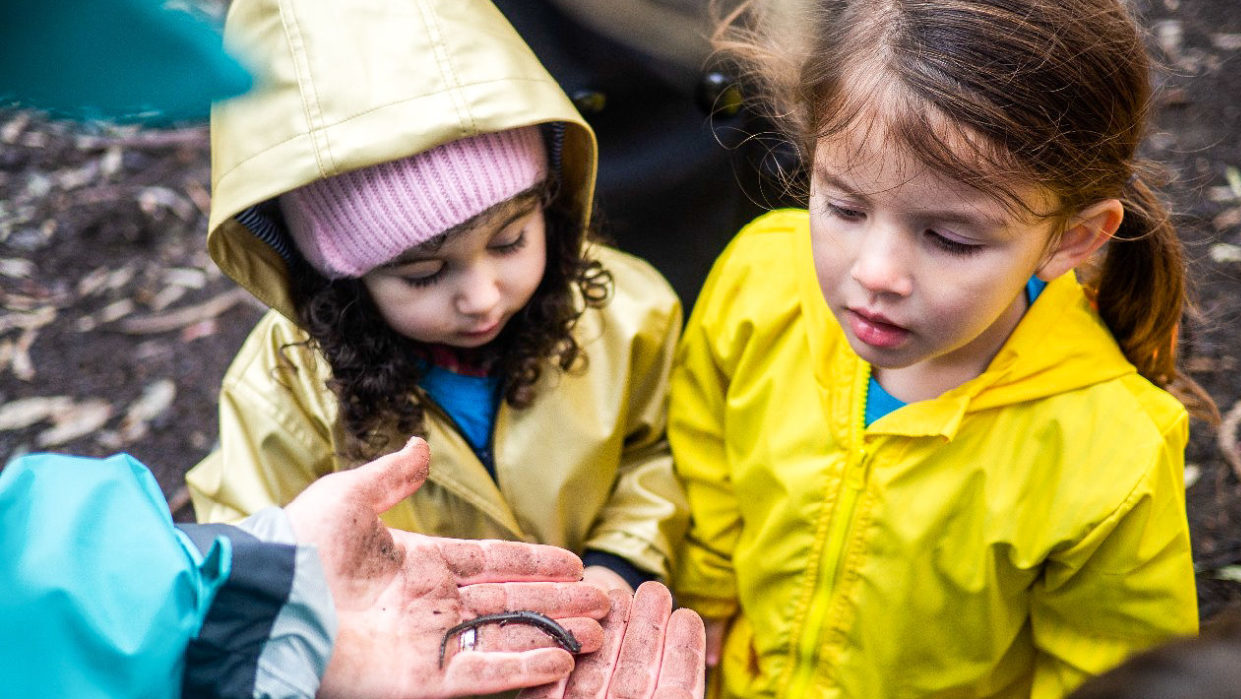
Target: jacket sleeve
<point x="105" y="597"/>
<point x="274" y="431"/>
<point x="1125" y="586"/>
<point x="704" y="577"/>
<point x="646" y="513"/>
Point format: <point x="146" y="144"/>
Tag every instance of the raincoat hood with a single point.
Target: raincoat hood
<point x="342" y="86"/>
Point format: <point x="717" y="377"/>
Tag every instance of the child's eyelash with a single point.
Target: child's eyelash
<point x="509" y="248"/>
<point x="844" y="212"/>
<point x="420" y="282"/>
<point x="953" y="247"/>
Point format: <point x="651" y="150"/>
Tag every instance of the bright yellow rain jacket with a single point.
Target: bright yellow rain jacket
<point x="1009" y="538"/>
<point x="344" y="85"/>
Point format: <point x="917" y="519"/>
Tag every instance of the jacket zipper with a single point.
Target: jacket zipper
<point x="837" y="539"/>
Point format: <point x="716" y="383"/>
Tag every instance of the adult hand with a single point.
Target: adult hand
<point x="648" y="651"/>
<point x="397" y="593"/>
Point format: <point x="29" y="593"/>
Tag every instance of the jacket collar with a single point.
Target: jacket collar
<point x="1061" y="344"/>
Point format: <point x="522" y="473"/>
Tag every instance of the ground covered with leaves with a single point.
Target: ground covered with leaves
<point x="116" y="328"/>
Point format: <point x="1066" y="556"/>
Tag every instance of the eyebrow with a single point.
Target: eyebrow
<point x="506" y="212"/>
<point x="951" y="216"/>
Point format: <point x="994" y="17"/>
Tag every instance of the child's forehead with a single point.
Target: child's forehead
<point x="869" y="156"/>
<point x="890" y="136"/>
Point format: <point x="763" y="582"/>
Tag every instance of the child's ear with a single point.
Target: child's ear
<point x="1088" y="231"/>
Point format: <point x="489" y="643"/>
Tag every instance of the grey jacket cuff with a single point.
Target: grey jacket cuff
<point x="300" y="645"/>
<point x="271" y="627"/>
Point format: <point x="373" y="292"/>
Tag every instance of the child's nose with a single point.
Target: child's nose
<point x="479" y="292"/>
<point x="880" y="267"/>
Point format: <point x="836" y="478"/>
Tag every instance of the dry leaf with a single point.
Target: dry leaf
<point x="20" y="363"/>
<point x="1169" y="34"/>
<point x="94" y="281"/>
<point x="111" y="162"/>
<point x="14" y="128"/>
<point x="1221" y="194"/>
<point x="1226" y="438"/>
<point x="17" y="268"/>
<point x="77" y="420"/>
<point x="151" y="199"/>
<point x="1226" y="42"/>
<point x="183" y="317"/>
<point x="73" y="178"/>
<point x="199" y="330"/>
<point x="1230" y="573"/>
<point x="1229" y="218"/>
<point x="156" y="398"/>
<point x="1225" y="252"/>
<point x="27" y="320"/>
<point x="166" y="297"/>
<point x="188" y="277"/>
<point x="23" y="413"/>
<point x="116" y="310"/>
<point x="1192" y="473"/>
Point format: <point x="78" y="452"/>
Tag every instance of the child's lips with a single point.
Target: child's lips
<point x="875" y="329"/>
<point x="483" y="330"/>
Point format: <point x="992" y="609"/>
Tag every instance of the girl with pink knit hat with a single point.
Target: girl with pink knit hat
<point x="410" y="192"/>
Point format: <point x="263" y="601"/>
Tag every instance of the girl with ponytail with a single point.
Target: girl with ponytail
<point x="927" y="425"/>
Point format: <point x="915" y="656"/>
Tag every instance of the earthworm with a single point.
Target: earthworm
<point x="562" y="636"/>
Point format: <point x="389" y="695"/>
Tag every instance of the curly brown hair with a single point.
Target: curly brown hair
<point x="376" y="371"/>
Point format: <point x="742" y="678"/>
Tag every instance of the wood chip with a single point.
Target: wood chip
<point x="182" y="317"/>
<point x="28" y="319"/>
<point x="20" y="363"/>
<point x="152" y="199"/>
<point x="162" y="138"/>
<point x="1192" y="473"/>
<point x="1225" y="252"/>
<point x="93" y="282"/>
<point x="20" y="414"/>
<point x="78" y="420"/>
<point x="1228" y="219"/>
<point x="14" y="128"/>
<point x="1226" y="438"/>
<point x="188" y="277"/>
<point x="155" y="400"/>
<point x="1226" y="42"/>
<point x="166" y="297"/>
<point x="17" y="268"/>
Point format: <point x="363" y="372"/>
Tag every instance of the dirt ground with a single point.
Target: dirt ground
<point x="116" y="328"/>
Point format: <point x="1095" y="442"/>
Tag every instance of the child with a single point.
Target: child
<point x="409" y="191"/>
<point x="919" y="462"/>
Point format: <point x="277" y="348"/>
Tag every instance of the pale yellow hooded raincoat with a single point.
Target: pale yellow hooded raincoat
<point x="344" y="85"/>
<point x="1008" y="538"/>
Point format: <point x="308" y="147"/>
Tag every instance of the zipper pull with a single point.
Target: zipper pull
<point x="856" y="477"/>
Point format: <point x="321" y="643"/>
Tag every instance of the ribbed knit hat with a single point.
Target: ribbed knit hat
<point x="349" y="224"/>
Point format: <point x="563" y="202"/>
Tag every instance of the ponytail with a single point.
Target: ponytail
<point x="1140" y="291"/>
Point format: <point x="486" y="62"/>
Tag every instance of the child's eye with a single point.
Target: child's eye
<point x="951" y="246"/>
<point x="511" y="246"/>
<point x="845" y="213"/>
<point x="424" y="275"/>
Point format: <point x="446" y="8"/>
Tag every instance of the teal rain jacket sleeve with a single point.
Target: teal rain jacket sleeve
<point x="104" y="597"/>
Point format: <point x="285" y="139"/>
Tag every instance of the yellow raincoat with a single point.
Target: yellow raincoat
<point x="345" y="85"/>
<point x="1009" y="538"/>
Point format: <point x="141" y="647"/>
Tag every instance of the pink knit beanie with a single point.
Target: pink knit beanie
<point x="349" y="224"/>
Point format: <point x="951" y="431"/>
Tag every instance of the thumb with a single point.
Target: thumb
<point x="391" y="478"/>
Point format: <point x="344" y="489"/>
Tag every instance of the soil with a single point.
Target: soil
<point x="116" y="328"/>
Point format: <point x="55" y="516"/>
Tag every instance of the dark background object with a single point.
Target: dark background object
<point x="682" y="166"/>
